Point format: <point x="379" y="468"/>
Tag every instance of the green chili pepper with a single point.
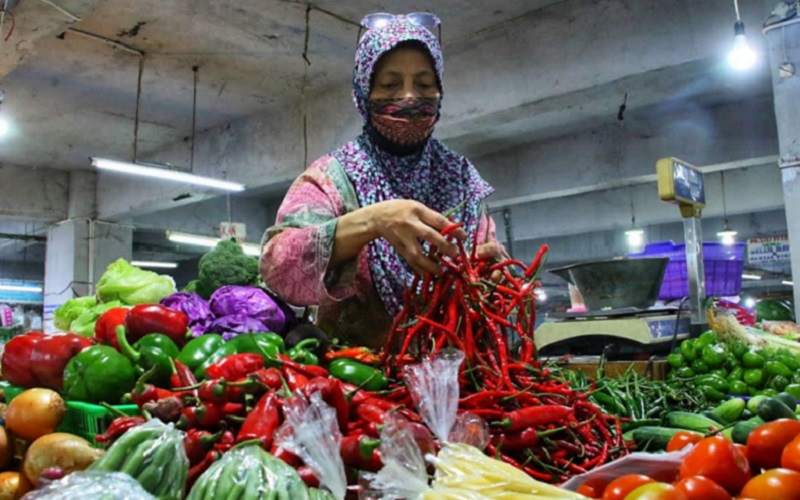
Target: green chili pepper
<point x="775" y="368"/>
<point x="788" y="360"/>
<point x="358" y="374"/>
<point x="738" y="388"/>
<point x="689" y="350"/>
<point x="685" y="372"/>
<point x="700" y="367"/>
<point x="200" y="349"/>
<point x="302" y="352"/>
<point x="714" y="355"/>
<point x="752" y="360"/>
<point x="676" y="360"/>
<point x="794" y="390"/>
<point x="712" y="393"/>
<point x="706" y="338"/>
<point x="98" y="374"/>
<point x="146" y="357"/>
<point x="736" y="374"/>
<point x="754" y="377"/>
<point x="739" y="348"/>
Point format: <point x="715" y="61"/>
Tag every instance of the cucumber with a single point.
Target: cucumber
<point x="691" y="421"/>
<point x="746" y="415"/>
<point x="653" y="438"/>
<point x="752" y="405"/>
<point x="742" y="430"/>
<point x="715" y="418"/>
<point x="772" y="409"/>
<point x="728" y="412"/>
<point x="787" y="399"/>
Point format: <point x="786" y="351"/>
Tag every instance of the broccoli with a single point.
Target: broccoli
<point x="226" y="264"/>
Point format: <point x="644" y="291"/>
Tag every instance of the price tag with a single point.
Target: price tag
<point x="235" y="230"/>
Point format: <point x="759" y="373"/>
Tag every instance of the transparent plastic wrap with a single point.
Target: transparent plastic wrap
<point x="311" y="432"/>
<point x="153" y="454"/>
<point x="250" y="472"/>
<point x="92" y="484"/>
<point x="649" y="464"/>
<point x="433" y="385"/>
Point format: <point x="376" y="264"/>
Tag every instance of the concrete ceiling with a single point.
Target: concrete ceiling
<point x="70" y="96"/>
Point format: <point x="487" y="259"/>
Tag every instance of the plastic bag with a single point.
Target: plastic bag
<point x="126" y="282"/>
<point x="153" y="454"/>
<point x="311" y="432"/>
<point x="649" y="464"/>
<point x="92" y="484"/>
<point x="433" y="385"/>
<point x="249" y="472"/>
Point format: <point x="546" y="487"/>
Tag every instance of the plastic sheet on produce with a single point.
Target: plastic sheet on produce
<point x="92" y="484"/>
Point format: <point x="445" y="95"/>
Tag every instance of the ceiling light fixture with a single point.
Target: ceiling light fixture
<point x="749" y="302"/>
<point x="741" y="57"/>
<point x="754" y="277"/>
<point x="158" y="171"/>
<point x="787" y="282"/>
<point x="209" y="241"/>
<point x="727" y="236"/>
<point x="634" y="235"/>
<point x="21" y="288"/>
<point x="151" y="263"/>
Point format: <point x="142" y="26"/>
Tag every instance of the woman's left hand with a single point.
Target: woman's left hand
<point x="492" y="250"/>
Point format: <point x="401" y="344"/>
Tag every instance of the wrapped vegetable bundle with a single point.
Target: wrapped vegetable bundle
<point x="153" y="454"/>
<point x="249" y="472"/>
<point x="92" y="484"/>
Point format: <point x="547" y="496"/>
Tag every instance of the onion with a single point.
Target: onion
<point x="65" y="451"/>
<point x="34" y="413"/>
<point x="13" y="485"/>
<point x="6" y="449"/>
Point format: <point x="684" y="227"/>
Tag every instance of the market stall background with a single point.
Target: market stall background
<point x="542" y="125"/>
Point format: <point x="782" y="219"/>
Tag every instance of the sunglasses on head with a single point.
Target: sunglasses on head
<point x="422" y="19"/>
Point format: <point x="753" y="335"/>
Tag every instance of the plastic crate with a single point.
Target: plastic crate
<point x="723" y="268"/>
<point x="82" y="419"/>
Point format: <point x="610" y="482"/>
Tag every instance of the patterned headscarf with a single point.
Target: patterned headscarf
<point x="436" y="176"/>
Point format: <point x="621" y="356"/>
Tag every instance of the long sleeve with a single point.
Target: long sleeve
<point x="296" y="251"/>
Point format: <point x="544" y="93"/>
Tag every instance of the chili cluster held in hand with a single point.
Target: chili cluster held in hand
<point x="539" y="422"/>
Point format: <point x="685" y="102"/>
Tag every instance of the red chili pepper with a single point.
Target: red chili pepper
<point x="235" y="366"/>
<point x="213" y="391"/>
<point x="306" y="473"/>
<point x="38" y="360"/>
<point x="516" y="440"/>
<point x="197" y="470"/>
<point x="361" y="354"/>
<point x="535" y="416"/>
<point x="295" y="380"/>
<point x="184" y="374"/>
<point x="105" y="329"/>
<point x="226" y="442"/>
<point x="193" y="445"/>
<point x="332" y="393"/>
<point x="155" y="318"/>
<point x="145" y="393"/>
<point x="118" y="427"/>
<point x="310" y="371"/>
<point x="356" y="448"/>
<point x="531" y="271"/>
<point x="270" y="377"/>
<point x="371" y="413"/>
<point x="285" y="455"/>
<point x="262" y="422"/>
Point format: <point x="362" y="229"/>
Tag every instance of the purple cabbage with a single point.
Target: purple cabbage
<point x="248" y="301"/>
<point x="234" y="324"/>
<point x="194" y="307"/>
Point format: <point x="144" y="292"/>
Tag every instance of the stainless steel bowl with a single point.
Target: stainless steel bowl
<point x="618" y="283"/>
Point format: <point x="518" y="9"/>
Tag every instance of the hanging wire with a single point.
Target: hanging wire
<point x="724" y="205"/>
<point x="230" y="217"/>
<point x="303" y="88"/>
<point x="138" y="105"/>
<point x="736" y="6"/>
<point x="3" y="13"/>
<point x="195" y="69"/>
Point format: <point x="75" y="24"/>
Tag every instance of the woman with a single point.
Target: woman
<point x="349" y="233"/>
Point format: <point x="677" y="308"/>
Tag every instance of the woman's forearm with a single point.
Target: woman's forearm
<point x="353" y="231"/>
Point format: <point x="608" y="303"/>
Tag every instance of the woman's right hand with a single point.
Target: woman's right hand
<point x="403" y="223"/>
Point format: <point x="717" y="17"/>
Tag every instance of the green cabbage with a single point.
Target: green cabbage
<point x="131" y="285"/>
<point x="70" y="310"/>
<point x="84" y="324"/>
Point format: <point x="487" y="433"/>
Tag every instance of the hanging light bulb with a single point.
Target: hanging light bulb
<point x="727" y="236"/>
<point x="3" y="126"/>
<point x="635" y="237"/>
<point x="741" y="56"/>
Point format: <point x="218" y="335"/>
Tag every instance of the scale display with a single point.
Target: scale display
<point x="680" y="183"/>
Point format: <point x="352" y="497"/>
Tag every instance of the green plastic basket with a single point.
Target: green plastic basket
<point x="87" y="420"/>
<point x="82" y="419"/>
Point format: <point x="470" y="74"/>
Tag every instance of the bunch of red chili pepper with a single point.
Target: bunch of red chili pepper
<point x="538" y="423"/>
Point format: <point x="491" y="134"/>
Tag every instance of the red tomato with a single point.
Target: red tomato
<point x="592" y="488"/>
<point x="619" y="488"/>
<point x="774" y="484"/>
<point x="766" y="443"/>
<point x="742" y="449"/>
<point x="682" y="439"/>
<point x="716" y="458"/>
<point x="656" y="491"/>
<point x="790" y="458"/>
<point x="702" y="488"/>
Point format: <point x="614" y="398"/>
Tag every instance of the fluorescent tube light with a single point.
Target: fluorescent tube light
<point x="163" y="173"/>
<point x="149" y="263"/>
<point x="786" y="282"/>
<point x="751" y="276"/>
<point x="209" y="241"/>
<point x="21" y="288"/>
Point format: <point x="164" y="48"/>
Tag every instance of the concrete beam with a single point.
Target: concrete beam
<point x="37" y="21"/>
<point x="33" y="194"/>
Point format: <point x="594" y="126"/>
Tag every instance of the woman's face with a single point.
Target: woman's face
<point x="402" y="73"/>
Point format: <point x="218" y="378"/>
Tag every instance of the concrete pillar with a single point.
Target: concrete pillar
<point x="80" y="248"/>
<point x="784" y="46"/>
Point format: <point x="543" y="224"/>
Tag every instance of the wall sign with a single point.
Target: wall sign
<point x="769" y="249"/>
<point x="235" y="230"/>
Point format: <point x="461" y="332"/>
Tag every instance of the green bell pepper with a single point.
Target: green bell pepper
<point x="148" y="357"/>
<point x="689" y="350"/>
<point x="158" y="340"/>
<point x="738" y="388"/>
<point x="353" y="372"/>
<point x="794" y="390"/>
<point x="685" y="372"/>
<point x="700" y="367"/>
<point x="752" y="360"/>
<point x="754" y="377"/>
<point x="736" y="374"/>
<point x="98" y="374"/>
<point x="200" y="349"/>
<point x="789" y="360"/>
<point x="706" y="338"/>
<point x="676" y="360"/>
<point x="714" y="355"/>
<point x="775" y="368"/>
<point x="739" y="348"/>
<point x="302" y="352"/>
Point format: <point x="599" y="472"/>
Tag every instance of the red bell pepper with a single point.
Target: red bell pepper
<point x="262" y="422"/>
<point x="105" y="330"/>
<point x="155" y="318"/>
<point x="35" y="359"/>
